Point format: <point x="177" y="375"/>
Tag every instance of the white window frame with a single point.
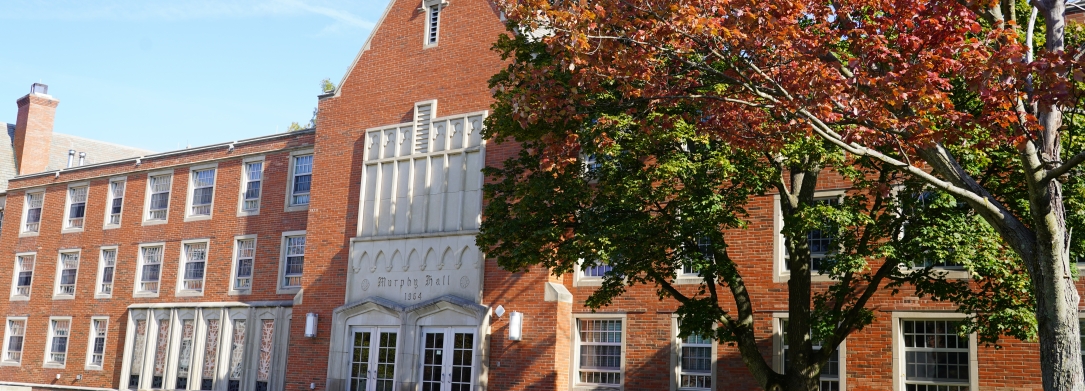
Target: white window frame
<point x="57" y="293"/>
<point x="290" y="205"/>
<point x="779" y="251"/>
<point x="190" y="196"/>
<point x="449" y="350"/>
<point x="676" y="359"/>
<point x="952" y="272"/>
<point x="99" y="280"/>
<point x="898" y="345"/>
<point x="580" y="278"/>
<point x="15" y="296"/>
<point x="92" y="334"/>
<point x="432" y="27"/>
<point x="242" y="189"/>
<point x="136" y="288"/>
<point x="47" y="361"/>
<point x="23" y="231"/>
<point x="234" y="290"/>
<point x="778" y="344"/>
<point x="68" y="227"/>
<point x="375" y="334"/>
<point x="4" y="361"/>
<point x="147" y="220"/>
<point x="110" y="196"/>
<point x="280" y="284"/>
<point x="683" y="278"/>
<point x="182" y="262"/>
<point x="574" y="374"/>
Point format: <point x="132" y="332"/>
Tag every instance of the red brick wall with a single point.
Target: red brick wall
<point x="33" y="133"/>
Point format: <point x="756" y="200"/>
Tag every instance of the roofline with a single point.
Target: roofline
<point x="365" y="48"/>
<point x="169" y="153"/>
<point x="104" y="142"/>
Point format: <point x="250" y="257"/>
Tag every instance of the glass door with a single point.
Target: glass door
<point x="448" y="359"/>
<point x="373" y="359"/>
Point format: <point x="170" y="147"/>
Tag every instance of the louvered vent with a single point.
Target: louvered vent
<point x="422" y="115"/>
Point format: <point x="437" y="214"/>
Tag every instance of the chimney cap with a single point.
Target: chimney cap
<point x="39" y="88"/>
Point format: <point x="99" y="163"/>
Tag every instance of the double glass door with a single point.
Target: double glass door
<point x="373" y="359"/>
<point x="448" y="355"/>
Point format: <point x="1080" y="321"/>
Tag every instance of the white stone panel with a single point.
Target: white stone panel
<point x="452" y="265"/>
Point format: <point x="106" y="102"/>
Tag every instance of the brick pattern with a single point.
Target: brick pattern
<point x="33" y="132"/>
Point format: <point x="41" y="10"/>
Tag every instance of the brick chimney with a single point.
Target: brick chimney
<point x="34" y="129"/>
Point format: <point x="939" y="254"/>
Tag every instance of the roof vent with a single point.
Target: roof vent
<point x="38" y="88"/>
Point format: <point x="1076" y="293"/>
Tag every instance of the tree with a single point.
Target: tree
<point x="946" y="91"/>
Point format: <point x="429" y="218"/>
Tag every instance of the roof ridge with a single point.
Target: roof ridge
<point x="104" y="142"/>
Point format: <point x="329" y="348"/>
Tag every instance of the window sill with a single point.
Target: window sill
<point x="197" y="218"/>
<point x="145" y="295"/>
<point x="287" y="291"/>
<point x="243" y="213"/>
<point x="245" y="292"/>
<point x="688" y="280"/>
<point x="28" y="234"/>
<point x="10" y="364"/>
<point x="71" y="230"/>
<point x="63" y="297"/>
<point x="102" y="296"/>
<point x="187" y="293"/>
<point x="814" y="277"/>
<point x="595" y="387"/>
<point x="588" y="281"/>
<point x="19" y="298"/>
<point x="297" y="208"/>
<point x="53" y="365"/>
<point x="111" y="226"/>
<point x="92" y="368"/>
<point x="155" y="222"/>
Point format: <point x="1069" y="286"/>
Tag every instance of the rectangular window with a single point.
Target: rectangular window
<point x="830" y="373"/>
<point x="32" y="216"/>
<point x="108" y="262"/>
<point x="138" y="346"/>
<point x="13" y="350"/>
<point x="935" y="357"/>
<point x="294" y="262"/>
<point x="599" y="345"/>
<point x="193" y="265"/>
<point x="77" y="207"/>
<point x="246" y="254"/>
<point x="695" y="363"/>
<point x="434" y="20"/>
<point x="210" y="354"/>
<point x="184" y="357"/>
<point x="158" y="371"/>
<point x="69" y="268"/>
<point x="237" y="351"/>
<point x="263" y="365"/>
<point x="372" y="366"/>
<point x="24" y="275"/>
<point x="252" y="179"/>
<point x="98" y="328"/>
<point x="302" y="180"/>
<point x="704" y="248"/>
<point x="596" y="271"/>
<point x="203" y="191"/>
<point x="116" y="202"/>
<point x="160" y="196"/>
<point x="448" y="359"/>
<point x="150" y="260"/>
<point x="58" y="341"/>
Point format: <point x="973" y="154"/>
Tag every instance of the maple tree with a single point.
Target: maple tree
<point x="946" y="93"/>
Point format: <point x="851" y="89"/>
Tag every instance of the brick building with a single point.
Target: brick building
<point x="343" y="258"/>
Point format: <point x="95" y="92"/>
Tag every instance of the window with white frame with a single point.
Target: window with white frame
<point x="704" y="247"/>
<point x="184" y="356"/>
<point x="448" y="357"/>
<point x="373" y="362"/>
<point x="68" y="269"/>
<point x="159" y="188"/>
<point x="203" y="192"/>
<point x="935" y="357"/>
<point x="829" y="379"/>
<point x="433" y="23"/>
<point x="32" y="213"/>
<point x="695" y="363"/>
<point x="819" y="240"/>
<point x="13" y="343"/>
<point x="116" y="202"/>
<point x="107" y="263"/>
<point x="301" y="179"/>
<point x="293" y="261"/>
<point x="243" y="263"/>
<point x="77" y="207"/>
<point x="252" y="180"/>
<point x="59" y="330"/>
<point x="599" y="352"/>
<point x="193" y="264"/>
<point x="24" y="275"/>
<point x="96" y="352"/>
<point x="150" y="269"/>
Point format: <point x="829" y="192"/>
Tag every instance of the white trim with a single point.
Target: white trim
<point x="90" y="344"/>
<point x="232" y="289"/>
<point x="101" y="270"/>
<point x="192" y="188"/>
<point x="449" y="349"/>
<point x="65" y="224"/>
<point x="779" y="268"/>
<point x="57" y="295"/>
<point x="778" y="350"/>
<point x="580" y="279"/>
<point x="279" y="282"/>
<point x="147" y="197"/>
<point x="7" y="339"/>
<point x="243" y="184"/>
<point x="50" y="334"/>
<point x="109" y="202"/>
<point x="15" y="277"/>
<point x="289" y="205"/>
<point x="136" y="291"/>
<point x="574" y="373"/>
<point x="179" y="290"/>
<point x="427" y="6"/>
<point x="898" y="374"/>
<point x="676" y="358"/>
<point x="26" y="208"/>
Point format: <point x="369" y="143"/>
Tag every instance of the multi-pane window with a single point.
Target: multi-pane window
<point x="237" y="351"/>
<point x="195" y="261"/>
<point x="58" y="341"/>
<point x="77" y="206"/>
<point x="98" y="329"/>
<point x="69" y="267"/>
<point x="184" y="357"/>
<point x="704" y="247"/>
<point x="138" y="345"/>
<point x="829" y="379"/>
<point x="24" y="275"/>
<point x="935" y="356"/>
<point x="210" y="354"/>
<point x="599" y="345"/>
<point x="820" y="241"/>
<point x="160" y="197"/>
<point x="302" y="179"/>
<point x="596" y="271"/>
<point x="253" y="178"/>
<point x="246" y="254"/>
<point x="203" y="191"/>
<point x="373" y="362"/>
<point x="263" y="363"/>
<point x="447" y="359"/>
<point x="294" y="262"/>
<point x="32" y="220"/>
<point x="695" y="363"/>
<point x="150" y="269"/>
<point x="108" y="262"/>
<point x="116" y="201"/>
<point x="433" y="19"/>
<point x="15" y="332"/>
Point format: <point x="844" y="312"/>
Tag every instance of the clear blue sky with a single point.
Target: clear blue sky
<point x="164" y="74"/>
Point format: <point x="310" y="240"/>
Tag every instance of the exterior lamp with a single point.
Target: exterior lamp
<point x="310" y="325"/>
<point x="516" y="326"/>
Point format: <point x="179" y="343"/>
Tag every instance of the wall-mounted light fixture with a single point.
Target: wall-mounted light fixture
<point x="516" y="326"/>
<point x="310" y="325"/>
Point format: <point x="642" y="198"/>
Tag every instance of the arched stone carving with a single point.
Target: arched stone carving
<point x="430" y="256"/>
<point x="411" y="260"/>
<point x="447" y="256"/>
<point x="395" y="258"/>
<point x="377" y="261"/>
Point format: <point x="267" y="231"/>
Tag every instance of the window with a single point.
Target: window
<point x="294" y="261"/>
<point x="77" y="207"/>
<point x="150" y="261"/>
<point x="32" y="215"/>
<point x="704" y="248"/>
<point x="373" y="362"/>
<point x="116" y="202"/>
<point x="24" y="275"/>
<point x="96" y="352"/>
<point x="935" y="357"/>
<point x="252" y="179"/>
<point x="193" y="264"/>
<point x="830" y="373"/>
<point x="139" y="342"/>
<point x="107" y="262"/>
<point x="433" y="20"/>
<point x="210" y="354"/>
<point x="263" y="367"/>
<point x="161" y="350"/>
<point x="695" y="359"/>
<point x="159" y="204"/>
<point x="13" y="344"/>
<point x="237" y="352"/>
<point x="820" y="241"/>
<point x="245" y="255"/>
<point x="448" y="356"/>
<point x="58" y="341"/>
<point x="599" y="352"/>
<point x="68" y="268"/>
<point x="203" y="192"/>
<point x="301" y="180"/>
<point x="184" y="357"/>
